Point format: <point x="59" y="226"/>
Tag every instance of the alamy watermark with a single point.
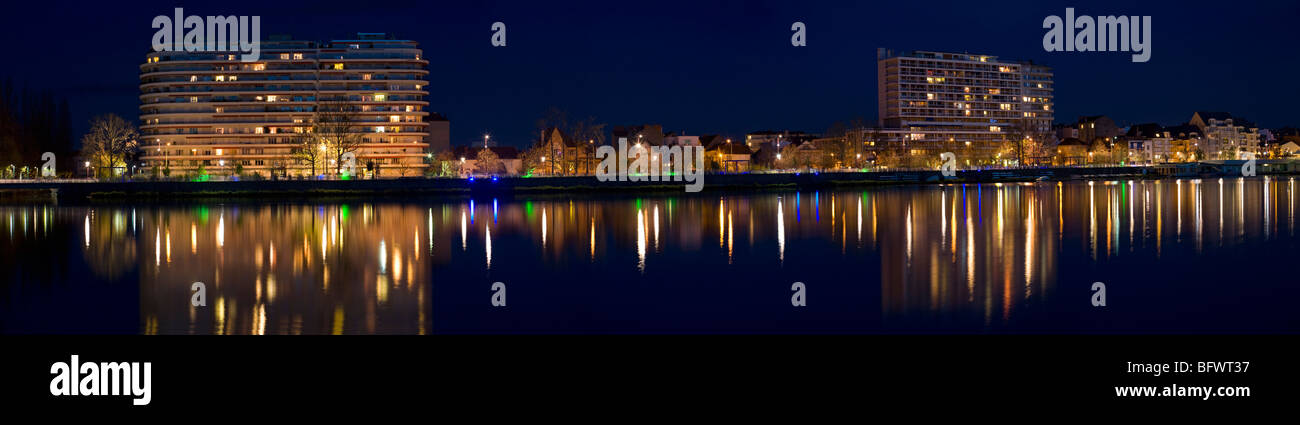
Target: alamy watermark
<point x="948" y="164"/>
<point x="1103" y="34"/>
<point x="74" y="378"/>
<point x="655" y="163"/>
<point x="213" y="34"/>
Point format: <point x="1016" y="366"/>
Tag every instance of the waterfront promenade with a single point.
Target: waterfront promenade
<point x="74" y="189"/>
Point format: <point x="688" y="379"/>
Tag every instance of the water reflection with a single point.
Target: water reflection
<point x="931" y="257"/>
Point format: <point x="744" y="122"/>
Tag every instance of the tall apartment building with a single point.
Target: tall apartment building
<point x="932" y="102"/>
<point x="211" y="111"/>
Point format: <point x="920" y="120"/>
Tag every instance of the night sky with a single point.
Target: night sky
<point x="702" y="67"/>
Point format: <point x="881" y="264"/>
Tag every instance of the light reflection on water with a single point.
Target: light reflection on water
<point x="1005" y="257"/>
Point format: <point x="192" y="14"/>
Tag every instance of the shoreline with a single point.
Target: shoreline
<point x="419" y="186"/>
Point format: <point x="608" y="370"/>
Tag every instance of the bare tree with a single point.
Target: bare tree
<point x="1027" y="143"/>
<point x="109" y="143"/>
<point x="308" y="150"/>
<point x="444" y="164"/>
<point x="337" y="128"/>
<point x="488" y="162"/>
<point x="586" y="135"/>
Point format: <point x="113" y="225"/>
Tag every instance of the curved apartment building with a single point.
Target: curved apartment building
<point x="212" y="112"/>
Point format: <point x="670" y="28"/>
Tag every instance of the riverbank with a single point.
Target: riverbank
<point x="147" y="189"/>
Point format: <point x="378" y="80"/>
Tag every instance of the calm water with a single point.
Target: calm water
<point x="1176" y="256"/>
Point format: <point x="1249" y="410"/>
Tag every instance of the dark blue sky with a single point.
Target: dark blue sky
<point x="703" y="66"/>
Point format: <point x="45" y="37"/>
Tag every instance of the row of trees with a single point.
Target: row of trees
<point x="112" y="143"/>
<point x="331" y="135"/>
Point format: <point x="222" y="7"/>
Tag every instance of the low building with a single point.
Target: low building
<point x="510" y="162"/>
<point x="682" y="140"/>
<point x="1290" y="148"/>
<point x="776" y="139"/>
<point x="729" y="157"/>
<point x="1071" y="151"/>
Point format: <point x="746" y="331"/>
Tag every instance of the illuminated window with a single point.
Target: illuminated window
<point x="194" y="78"/>
<point x="365" y="76"/>
<point x="259" y="67"/>
<point x="379" y="97"/>
<point x="271" y="98"/>
<point x="297" y="55"/>
<point x="394" y="118"/>
<point x="410" y="108"/>
<point x="194" y="99"/>
<point x="338" y="66"/>
<point x="234" y="78"/>
<point x="929" y="96"/>
<point x="284" y="56"/>
<point x="995" y="129"/>
<point x="221" y="78"/>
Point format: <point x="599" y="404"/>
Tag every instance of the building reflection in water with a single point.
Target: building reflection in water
<point x="288" y="269"/>
<point x="974" y="254"/>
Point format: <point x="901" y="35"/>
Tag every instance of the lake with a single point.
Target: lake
<point x="1175" y="256"/>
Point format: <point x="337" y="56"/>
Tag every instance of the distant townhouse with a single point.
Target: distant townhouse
<point x="564" y="156"/>
<point x="1227" y="137"/>
<point x="1185" y="143"/>
<point x="1148" y="143"/>
<point x="1096" y="127"/>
